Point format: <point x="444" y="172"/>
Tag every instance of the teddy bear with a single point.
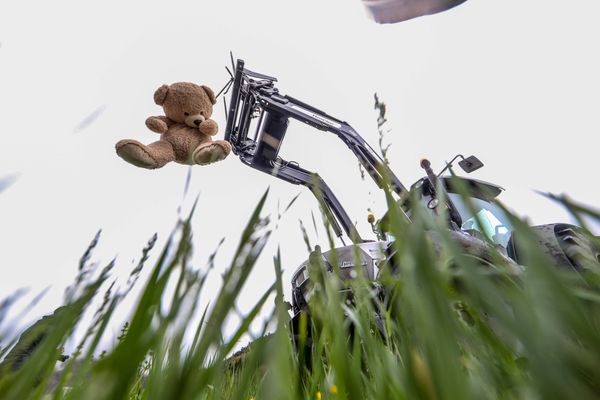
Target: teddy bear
<point x="185" y="130"/>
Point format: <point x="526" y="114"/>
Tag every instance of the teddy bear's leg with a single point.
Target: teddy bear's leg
<point x="209" y="152"/>
<point x="151" y="156"/>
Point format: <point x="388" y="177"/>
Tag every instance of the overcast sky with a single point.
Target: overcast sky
<point x="514" y="82"/>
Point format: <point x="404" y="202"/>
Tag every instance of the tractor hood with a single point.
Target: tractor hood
<point x="366" y="254"/>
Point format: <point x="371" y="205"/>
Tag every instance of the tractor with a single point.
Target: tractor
<point x="258" y="116"/>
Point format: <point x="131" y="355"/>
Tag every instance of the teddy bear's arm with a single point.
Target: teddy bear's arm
<point x="158" y="124"/>
<point x="209" y="127"/>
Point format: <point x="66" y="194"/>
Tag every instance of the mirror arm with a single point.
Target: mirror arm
<point x="449" y="164"/>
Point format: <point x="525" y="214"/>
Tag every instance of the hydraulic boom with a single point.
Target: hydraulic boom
<point x="254" y="96"/>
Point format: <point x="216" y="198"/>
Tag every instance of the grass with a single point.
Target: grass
<point x="449" y="328"/>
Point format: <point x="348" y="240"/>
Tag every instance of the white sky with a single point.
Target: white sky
<point x="514" y="82"/>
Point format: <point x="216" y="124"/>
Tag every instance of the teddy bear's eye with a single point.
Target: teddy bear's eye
<point x="186" y="114"/>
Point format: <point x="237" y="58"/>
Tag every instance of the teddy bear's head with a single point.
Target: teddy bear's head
<point x="186" y="102"/>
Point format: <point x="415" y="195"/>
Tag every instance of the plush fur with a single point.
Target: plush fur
<point x="185" y="130"/>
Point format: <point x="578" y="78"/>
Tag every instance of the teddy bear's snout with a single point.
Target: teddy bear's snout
<point x="195" y="120"/>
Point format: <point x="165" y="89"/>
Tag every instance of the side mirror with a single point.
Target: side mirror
<point x="470" y="164"/>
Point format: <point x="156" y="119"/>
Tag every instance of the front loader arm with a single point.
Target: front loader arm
<point x="254" y="96"/>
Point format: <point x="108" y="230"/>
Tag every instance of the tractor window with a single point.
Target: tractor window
<point x="488" y="219"/>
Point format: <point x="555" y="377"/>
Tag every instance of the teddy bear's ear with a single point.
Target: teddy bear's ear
<point x="161" y="94"/>
<point x="210" y="93"/>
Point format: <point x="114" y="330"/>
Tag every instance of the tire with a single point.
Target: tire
<point x="569" y="246"/>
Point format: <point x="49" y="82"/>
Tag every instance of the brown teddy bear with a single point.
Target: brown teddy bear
<point x="185" y="130"/>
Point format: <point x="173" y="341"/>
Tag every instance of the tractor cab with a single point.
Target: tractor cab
<point x="469" y="203"/>
<point x="478" y="214"/>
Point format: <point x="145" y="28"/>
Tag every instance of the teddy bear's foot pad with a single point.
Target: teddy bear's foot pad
<point x="136" y="153"/>
<point x="211" y="152"/>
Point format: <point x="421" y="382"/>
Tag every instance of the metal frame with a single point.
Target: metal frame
<point x="254" y="96"/>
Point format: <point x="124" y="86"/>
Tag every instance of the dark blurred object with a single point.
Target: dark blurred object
<point x="392" y="11"/>
<point x="31" y="339"/>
